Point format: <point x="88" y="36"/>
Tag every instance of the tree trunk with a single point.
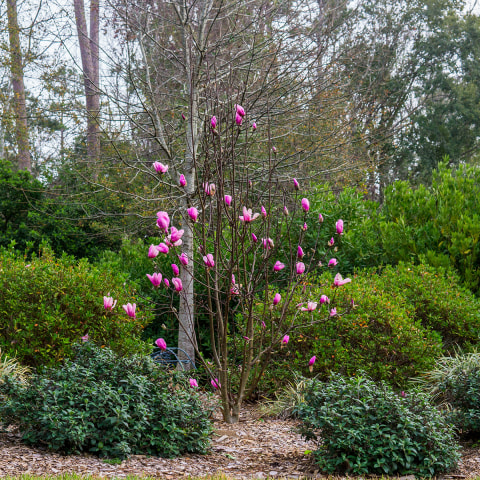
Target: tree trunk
<point x="16" y="68"/>
<point x="89" y="51"/>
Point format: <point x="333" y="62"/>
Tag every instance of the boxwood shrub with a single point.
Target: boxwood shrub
<point x="108" y="405"/>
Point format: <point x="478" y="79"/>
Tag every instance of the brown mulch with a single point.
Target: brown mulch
<point x="256" y="447"/>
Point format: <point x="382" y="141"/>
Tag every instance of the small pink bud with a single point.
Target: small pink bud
<point x="320" y="218"/>
<point x="166" y="282"/>
<point x="228" y="199"/>
<point x="209" y="261"/>
<point x="215" y="383"/>
<point x="403" y="394"/>
<point x="163" y="248"/>
<point x="254" y="238"/>
<point x="285" y="210"/>
<point x="305" y="226"/>
<point x="300" y="268"/>
<point x="153" y="251"/>
<point x="240" y="110"/>
<point x="333" y="312"/>
<point x="264" y="212"/>
<point x="276" y="299"/>
<point x="274" y="150"/>
<point x="285" y="339"/>
<point x="339" y="226"/>
<point x="163" y="220"/>
<point x="176" y="270"/>
<point x="193" y="213"/>
<point x="182" y="180"/>
<point x="193" y="383"/>
<point x="213" y="122"/>
<point x="238" y="119"/>
<point x="312" y="361"/>
<point x="331" y="242"/>
<point x="278" y="266"/>
<point x="183" y="258"/>
<point x="177" y="283"/>
<point x="296" y="184"/>
<point x="254" y="126"/>
<point x="305" y="204"/>
<point x="300" y="253"/>
<point x="183" y="116"/>
<point x="161" y="344"/>
<point x="247" y="339"/>
<point x="263" y="324"/>
<point x="332" y="262"/>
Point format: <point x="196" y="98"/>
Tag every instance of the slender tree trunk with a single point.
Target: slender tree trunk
<point x="21" y="127"/>
<point x="89" y="51"/>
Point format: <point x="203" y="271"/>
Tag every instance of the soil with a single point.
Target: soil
<point x="257" y="447"/>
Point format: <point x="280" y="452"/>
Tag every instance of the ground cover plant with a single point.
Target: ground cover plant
<point x="107" y="405"/>
<point x="366" y="427"/>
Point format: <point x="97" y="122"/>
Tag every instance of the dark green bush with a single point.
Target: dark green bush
<point x="368" y="428"/>
<point x="108" y="405"/>
<point x="48" y="303"/>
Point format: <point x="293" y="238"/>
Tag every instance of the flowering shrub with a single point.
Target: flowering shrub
<point x="48" y="303"/>
<point x="368" y="428"/>
<point x="107" y="405"/>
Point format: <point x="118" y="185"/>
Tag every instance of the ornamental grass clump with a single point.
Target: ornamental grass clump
<point x="365" y="427"/>
<point x="107" y="405"/>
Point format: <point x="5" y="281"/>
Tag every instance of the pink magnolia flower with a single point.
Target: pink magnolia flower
<point x="163" y="220"/>
<point x="153" y="251"/>
<point x="160" y="168"/>
<point x="274" y="150"/>
<point x="183" y="257"/>
<point x="247" y="216"/>
<point x="215" y="383"/>
<point x="254" y="238"/>
<point x="213" y="122"/>
<point x="182" y="180"/>
<point x="331" y="242"/>
<point x="296" y="184"/>
<point x="177" y="283"/>
<point x="285" y="339"/>
<point x="267" y="243"/>
<point x="285" y="210"/>
<point x="209" y="189"/>
<point x="332" y="262"/>
<point x="238" y="119"/>
<point x="193" y="213"/>
<point x="320" y="218"/>
<point x="163" y="248"/>
<point x="263" y="324"/>
<point x="324" y="299"/>
<point x="240" y="110"/>
<point x="333" y="312"/>
<point x="403" y="394"/>
<point x="339" y="281"/>
<point x="193" y="383"/>
<point x="300" y="268"/>
<point x="228" y="199"/>
<point x="264" y="212"/>
<point x="235" y="289"/>
<point x="254" y="126"/>
<point x="108" y="303"/>
<point x="305" y="204"/>
<point x="130" y="309"/>
<point x="85" y="338"/>
<point x="156" y="279"/>
<point x="175" y="236"/>
<point x="305" y="226"/>
<point x="339" y="226"/>
<point x="312" y="361"/>
<point x="278" y="266"/>
<point x="300" y="253"/>
<point x="311" y="306"/>
<point x="166" y="282"/>
<point x="247" y="339"/>
<point x="161" y="344"/>
<point x="208" y="260"/>
<point x="183" y="116"/>
<point x="276" y="299"/>
<point x="175" y="269"/>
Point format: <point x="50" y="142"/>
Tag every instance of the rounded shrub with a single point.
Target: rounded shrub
<point x="47" y="303"/>
<point x="107" y="405"/>
<point x="365" y="427"/>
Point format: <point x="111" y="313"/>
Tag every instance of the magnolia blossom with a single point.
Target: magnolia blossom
<point x="324" y="299"/>
<point x="320" y="218"/>
<point x="213" y="122"/>
<point x="254" y="126"/>
<point x="338" y="281"/>
<point x="254" y="238"/>
<point x="274" y="150"/>
<point x="163" y="248"/>
<point x="193" y="383"/>
<point x="263" y="324"/>
<point x="183" y="116"/>
<point x="160" y="168"/>
<point x="300" y="253"/>
<point x="264" y="212"/>
<point x="163" y="220"/>
<point x="215" y="383"/>
<point x="209" y="189"/>
<point x="278" y="266"/>
<point x="333" y="312"/>
<point x="296" y="184"/>
<point x="177" y="283"/>
<point x="182" y="180"/>
<point x="267" y="243"/>
<point x="300" y="268"/>
<point x="235" y="288"/>
<point x="166" y="282"/>
<point x="176" y="270"/>
<point x="285" y="210"/>
<point x="108" y="303"/>
<point x="84" y="338"/>
<point x="238" y="119"/>
<point x="183" y="257"/>
<point x="247" y="216"/>
<point x="311" y="362"/>
<point x="228" y="199"/>
<point x="339" y="226"/>
<point x="161" y="344"/>
<point x="193" y="213"/>
<point x="153" y="251"/>
<point x="240" y="110"/>
<point x="130" y="309"/>
<point x="331" y="242"/>
<point x="285" y="339"/>
<point x="332" y="262"/>
<point x="304" y="228"/>
<point x="208" y="260"/>
<point x="156" y="279"/>
<point x="311" y="306"/>
<point x="305" y="204"/>
<point x="175" y="236"/>
<point x="276" y="299"/>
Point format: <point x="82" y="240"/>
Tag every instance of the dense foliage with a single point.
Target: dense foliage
<point x="107" y="405"/>
<point x="368" y="428"/>
<point x="48" y="303"/>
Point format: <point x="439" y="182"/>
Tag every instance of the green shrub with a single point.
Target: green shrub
<point x="108" y="405"/>
<point x="47" y="304"/>
<point x="368" y="428"/>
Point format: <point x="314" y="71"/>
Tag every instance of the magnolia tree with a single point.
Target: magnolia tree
<point x="248" y="224"/>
